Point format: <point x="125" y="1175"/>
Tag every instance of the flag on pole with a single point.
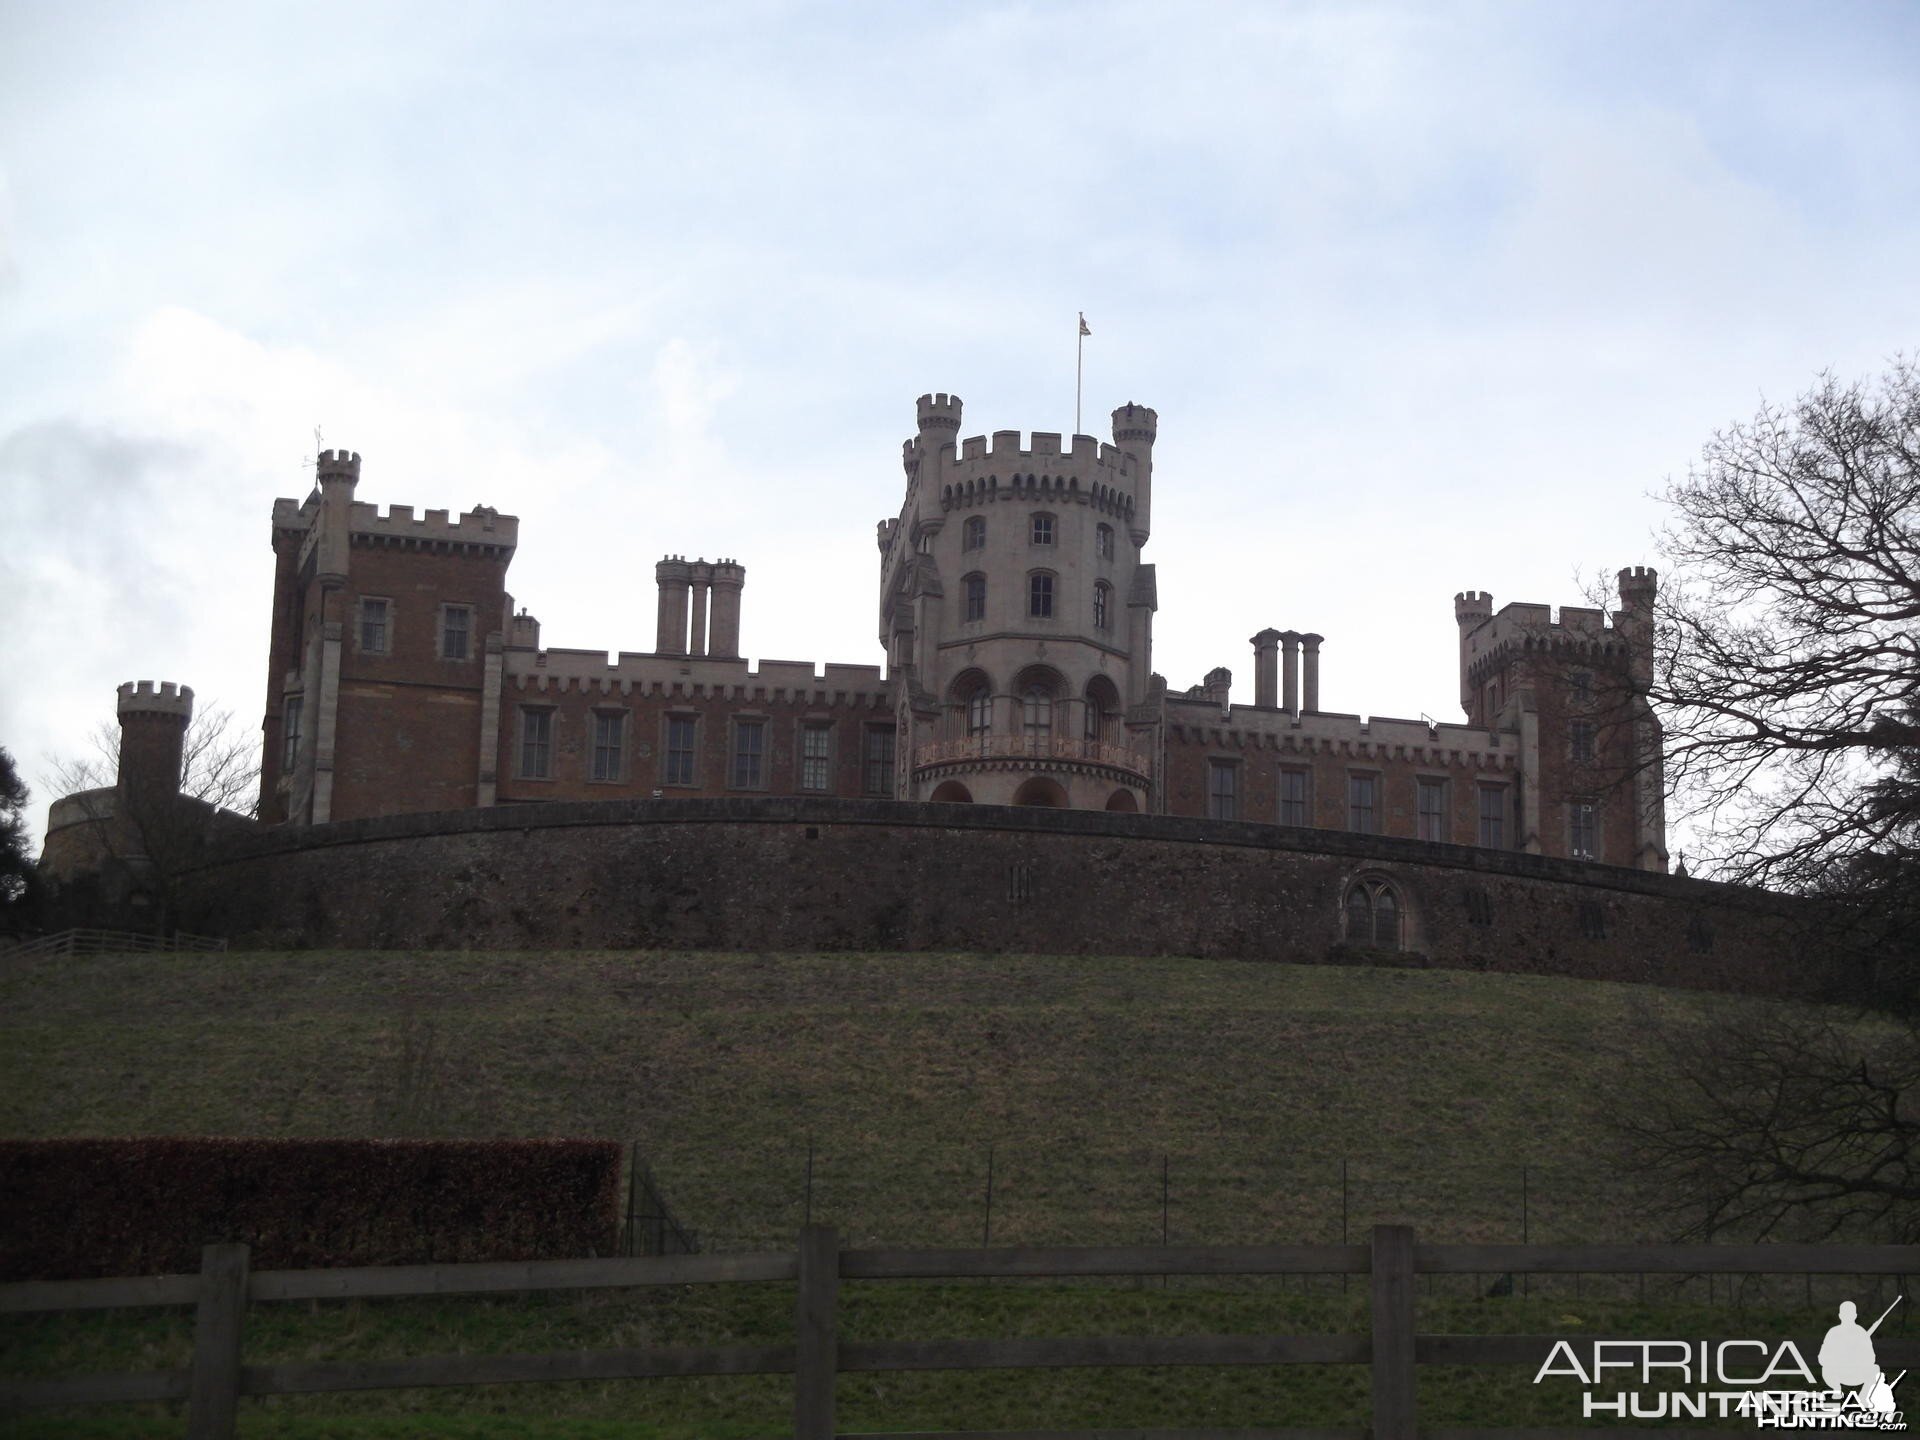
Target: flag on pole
<point x="1083" y="324"/>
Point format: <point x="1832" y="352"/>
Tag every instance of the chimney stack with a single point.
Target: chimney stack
<point x="673" y="574"/>
<point x="1311" y="645"/>
<point x="1290" y="644"/>
<point x="1266" y="671"/>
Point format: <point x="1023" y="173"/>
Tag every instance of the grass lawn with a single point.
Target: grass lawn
<point x="1255" y="1082"/>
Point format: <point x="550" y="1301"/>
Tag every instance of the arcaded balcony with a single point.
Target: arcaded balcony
<point x="1012" y="750"/>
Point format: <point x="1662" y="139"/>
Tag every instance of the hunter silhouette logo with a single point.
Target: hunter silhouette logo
<point x="1849" y="1366"/>
<point x="1765" y="1382"/>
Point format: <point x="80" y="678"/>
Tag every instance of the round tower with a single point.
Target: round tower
<point x="153" y="739"/>
<point x="1135" y="428"/>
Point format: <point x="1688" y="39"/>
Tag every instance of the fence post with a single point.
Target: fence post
<point x="817" y="1350"/>
<point x="214" y="1396"/>
<point x="1392" y="1300"/>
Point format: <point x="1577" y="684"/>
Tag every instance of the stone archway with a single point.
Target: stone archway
<point x="952" y="791"/>
<point x="1123" y="800"/>
<point x="1041" y="791"/>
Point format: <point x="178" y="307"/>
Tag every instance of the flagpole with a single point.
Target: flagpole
<point x="1079" y="347"/>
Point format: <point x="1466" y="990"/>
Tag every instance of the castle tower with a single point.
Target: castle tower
<point x="153" y="739"/>
<point x="1014" y="605"/>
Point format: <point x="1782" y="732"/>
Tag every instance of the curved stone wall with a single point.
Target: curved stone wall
<point x="791" y="874"/>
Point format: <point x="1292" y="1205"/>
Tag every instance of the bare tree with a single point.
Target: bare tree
<point x="1785" y="1127"/>
<point x="219" y="764"/>
<point x="1787" y="672"/>
<point x="1787" y="665"/>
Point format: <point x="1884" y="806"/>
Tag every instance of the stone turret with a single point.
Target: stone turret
<point x="1471" y="610"/>
<point x="1135" y="428"/>
<point x="337" y="473"/>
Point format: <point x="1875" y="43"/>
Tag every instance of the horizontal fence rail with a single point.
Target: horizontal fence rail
<point x="1391" y="1349"/>
<point x="108" y="942"/>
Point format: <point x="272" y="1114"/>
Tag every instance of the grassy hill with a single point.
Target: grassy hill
<point x="1254" y="1082"/>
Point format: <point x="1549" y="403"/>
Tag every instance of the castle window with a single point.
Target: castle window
<point x="1583" y="830"/>
<point x="1102" y="605"/>
<point x="456" y="623"/>
<point x="1593" y="920"/>
<point x="1373" y="915"/>
<point x="1700" y="935"/>
<point x="1103" y="542"/>
<point x="1040" y="596"/>
<point x="816" y="750"/>
<point x="1363" y="804"/>
<point x="1479" y="906"/>
<point x="1493" y="817"/>
<point x="980" y="713"/>
<point x="536" y="744"/>
<point x="1223" y="790"/>
<point x="1581" y="684"/>
<point x="609" y="731"/>
<point x="973" y="535"/>
<point x="749" y="754"/>
<point x="374" y="618"/>
<point x="923" y="543"/>
<point x="976" y="592"/>
<point x="680" y="751"/>
<point x="1042" y="533"/>
<point x="1038" y="719"/>
<point x="1293" y="797"/>
<point x="1095" y="721"/>
<point x="879" y="761"/>
<point x="290" y="732"/>
<point x="1430" y="808"/>
<point x="1580" y="737"/>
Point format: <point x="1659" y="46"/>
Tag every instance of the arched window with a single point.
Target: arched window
<point x="971" y="697"/>
<point x="1038" y="718"/>
<point x="1373" y="914"/>
<point x="1102" y="705"/>
<point x="973" y="535"/>
<point x="1103" y="541"/>
<point x="975" y="587"/>
<point x="1040" y="596"/>
<point x="1102" y="605"/>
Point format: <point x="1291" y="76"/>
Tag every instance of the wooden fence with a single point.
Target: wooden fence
<point x="107" y="942"/>
<point x="224" y="1289"/>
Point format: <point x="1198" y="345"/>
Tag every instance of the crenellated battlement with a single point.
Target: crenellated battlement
<point x="337" y="465"/>
<point x="482" y="525"/>
<point x="147" y="698"/>
<point x="1196" y="719"/>
<point x="628" y="673"/>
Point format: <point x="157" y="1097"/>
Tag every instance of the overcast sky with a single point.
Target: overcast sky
<point x="1429" y="297"/>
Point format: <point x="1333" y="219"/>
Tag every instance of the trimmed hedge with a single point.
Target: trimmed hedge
<point x="78" y="1209"/>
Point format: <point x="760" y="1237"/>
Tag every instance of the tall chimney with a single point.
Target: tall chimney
<point x="1266" y="668"/>
<point x="702" y="582"/>
<point x="672" y="573"/>
<point x="1311" y="644"/>
<point x="1290" y="642"/>
<point x="729" y="579"/>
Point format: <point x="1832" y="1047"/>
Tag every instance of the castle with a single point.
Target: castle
<point x="1016" y="614"/>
